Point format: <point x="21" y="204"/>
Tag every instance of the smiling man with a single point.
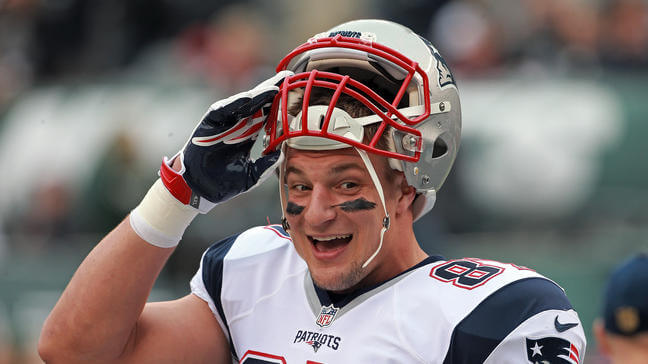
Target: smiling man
<point x="362" y="125"/>
<point x="334" y="223"/>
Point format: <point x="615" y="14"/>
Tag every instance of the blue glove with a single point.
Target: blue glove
<point x="216" y="164"/>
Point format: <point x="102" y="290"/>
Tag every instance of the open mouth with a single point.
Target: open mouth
<point x="330" y="243"/>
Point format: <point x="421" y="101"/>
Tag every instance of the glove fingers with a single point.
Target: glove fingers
<point x="238" y="121"/>
<point x="275" y="80"/>
<point x="256" y="103"/>
<point x="263" y="94"/>
<point x="225" y="116"/>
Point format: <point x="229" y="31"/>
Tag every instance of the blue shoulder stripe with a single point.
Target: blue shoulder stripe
<point x="278" y="229"/>
<point x="212" y="275"/>
<point x="479" y="333"/>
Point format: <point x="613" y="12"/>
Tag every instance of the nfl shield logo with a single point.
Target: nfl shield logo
<point x="326" y="316"/>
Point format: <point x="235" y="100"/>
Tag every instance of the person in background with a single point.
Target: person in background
<point x="622" y="331"/>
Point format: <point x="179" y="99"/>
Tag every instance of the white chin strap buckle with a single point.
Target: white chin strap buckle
<point x="386" y="222"/>
<point x="284" y="224"/>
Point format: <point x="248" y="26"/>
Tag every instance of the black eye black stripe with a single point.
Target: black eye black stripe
<point x="348" y="206"/>
<point x="293" y="209"/>
<point x="356" y="205"/>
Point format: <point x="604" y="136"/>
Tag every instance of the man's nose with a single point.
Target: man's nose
<point x="320" y="210"/>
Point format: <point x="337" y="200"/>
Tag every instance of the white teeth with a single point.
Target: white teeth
<point x="329" y="238"/>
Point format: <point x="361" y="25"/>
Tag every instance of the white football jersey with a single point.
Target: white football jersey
<point x="440" y="311"/>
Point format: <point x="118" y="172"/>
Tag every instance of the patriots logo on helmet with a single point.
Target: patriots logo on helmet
<point x="445" y="75"/>
<point x="551" y="350"/>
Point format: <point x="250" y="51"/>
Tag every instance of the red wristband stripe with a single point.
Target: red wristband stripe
<point x="174" y="182"/>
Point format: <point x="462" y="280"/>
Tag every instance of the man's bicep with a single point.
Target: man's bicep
<point x="184" y="330"/>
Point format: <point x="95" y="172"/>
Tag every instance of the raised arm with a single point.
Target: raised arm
<point x="102" y="316"/>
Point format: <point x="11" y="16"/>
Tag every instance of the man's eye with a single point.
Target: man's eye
<point x="299" y="188"/>
<point x="348" y="185"/>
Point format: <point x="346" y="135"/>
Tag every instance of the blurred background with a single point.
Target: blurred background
<point x="552" y="174"/>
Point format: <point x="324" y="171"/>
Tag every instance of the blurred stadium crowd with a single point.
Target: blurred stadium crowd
<point x="552" y="173"/>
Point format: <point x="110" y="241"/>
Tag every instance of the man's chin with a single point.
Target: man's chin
<point x="339" y="282"/>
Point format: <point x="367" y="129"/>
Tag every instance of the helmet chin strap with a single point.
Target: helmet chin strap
<point x="386" y="219"/>
<point x="282" y="192"/>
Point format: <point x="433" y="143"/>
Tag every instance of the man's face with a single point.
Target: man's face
<point x="335" y="214"/>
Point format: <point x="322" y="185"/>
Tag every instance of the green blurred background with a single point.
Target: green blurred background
<point x="552" y="173"/>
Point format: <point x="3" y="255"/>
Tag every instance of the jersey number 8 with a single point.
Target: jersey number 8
<point x="465" y="273"/>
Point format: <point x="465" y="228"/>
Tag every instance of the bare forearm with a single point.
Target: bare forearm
<point x="99" y="308"/>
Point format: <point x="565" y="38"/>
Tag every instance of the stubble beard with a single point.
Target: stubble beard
<point x="344" y="281"/>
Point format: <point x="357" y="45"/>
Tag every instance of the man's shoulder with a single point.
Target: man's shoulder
<point x="488" y="309"/>
<point x="252" y="242"/>
<point x="256" y="260"/>
<point x="266" y="248"/>
<point x="471" y="286"/>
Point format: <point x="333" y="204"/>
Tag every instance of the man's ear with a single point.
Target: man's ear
<point x="407" y="195"/>
<point x="601" y="337"/>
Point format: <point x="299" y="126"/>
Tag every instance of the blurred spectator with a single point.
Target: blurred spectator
<point x="576" y="28"/>
<point x="229" y="52"/>
<point x="46" y="218"/>
<point x="466" y="36"/>
<point x="83" y="37"/>
<point x="415" y="13"/>
<point x="550" y="36"/>
<point x="16" y="64"/>
<point x="622" y="331"/>
<point x="624" y="39"/>
<point x="105" y="200"/>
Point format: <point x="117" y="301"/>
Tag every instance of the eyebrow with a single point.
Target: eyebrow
<point x="290" y="169"/>
<point x="345" y="167"/>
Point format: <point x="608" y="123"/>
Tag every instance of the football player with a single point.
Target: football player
<point x="362" y="125"/>
<point x="622" y="331"/>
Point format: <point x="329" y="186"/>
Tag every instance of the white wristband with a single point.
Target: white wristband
<point x="160" y="219"/>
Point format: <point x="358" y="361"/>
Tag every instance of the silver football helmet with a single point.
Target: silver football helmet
<point x="396" y="74"/>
